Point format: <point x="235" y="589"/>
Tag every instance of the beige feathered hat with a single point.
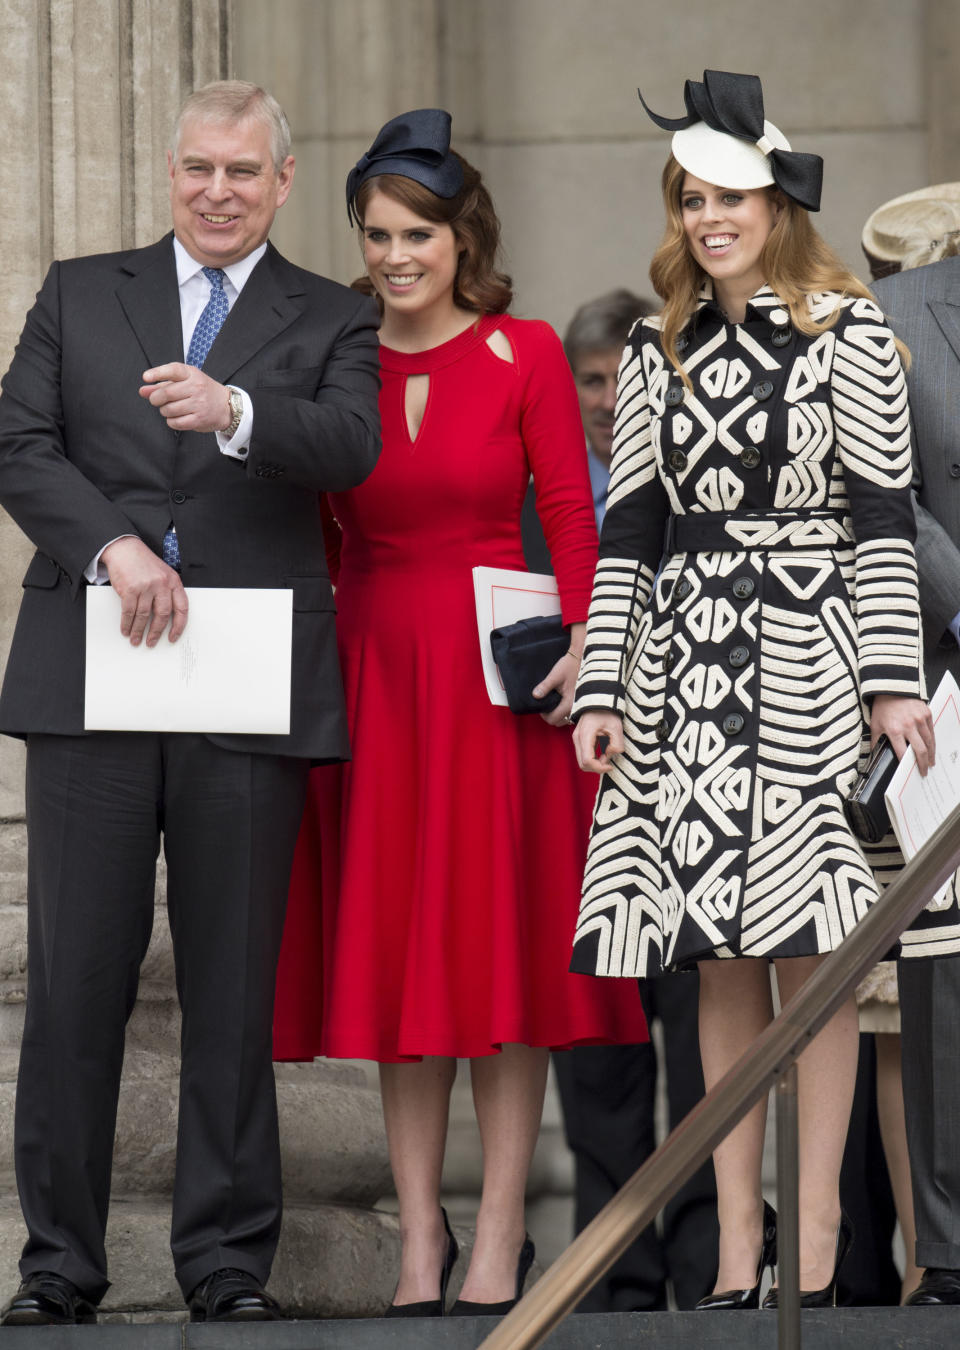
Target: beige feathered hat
<point x="919" y="227"/>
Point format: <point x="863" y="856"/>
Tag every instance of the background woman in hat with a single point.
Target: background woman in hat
<point x="762" y="426"/>
<point x="462" y="827"/>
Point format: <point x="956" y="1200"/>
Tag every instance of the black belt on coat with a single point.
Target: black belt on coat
<point x="739" y="531"/>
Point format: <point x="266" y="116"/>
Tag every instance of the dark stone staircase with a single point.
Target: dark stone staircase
<point x="837" y="1329"/>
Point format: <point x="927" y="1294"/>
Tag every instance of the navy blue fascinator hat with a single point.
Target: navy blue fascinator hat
<point x="725" y="139"/>
<point x="414" y="145"/>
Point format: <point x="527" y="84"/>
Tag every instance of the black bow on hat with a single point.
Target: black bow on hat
<point x="734" y="104"/>
<point x="415" y="145"/>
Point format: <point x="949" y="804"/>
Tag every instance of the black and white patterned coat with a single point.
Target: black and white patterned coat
<point x="787" y="598"/>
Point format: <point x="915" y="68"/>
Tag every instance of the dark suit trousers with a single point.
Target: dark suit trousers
<point x="869" y="1276"/>
<point x="97" y="806"/>
<point x="608" y="1093"/>
<point x="930" y="1044"/>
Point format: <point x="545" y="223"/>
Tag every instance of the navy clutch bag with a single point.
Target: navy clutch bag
<point x="865" y="808"/>
<point x="526" y="652"/>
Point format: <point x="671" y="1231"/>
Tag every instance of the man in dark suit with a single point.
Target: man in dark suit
<point x="169" y="419"/>
<point x="923" y="307"/>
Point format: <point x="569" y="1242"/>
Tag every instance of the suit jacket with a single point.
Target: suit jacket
<point x="84" y="459"/>
<point x="923" y="308"/>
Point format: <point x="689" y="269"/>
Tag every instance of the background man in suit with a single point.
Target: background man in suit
<point x="608" y="1092"/>
<point x="170" y="416"/>
<point x="923" y="307"/>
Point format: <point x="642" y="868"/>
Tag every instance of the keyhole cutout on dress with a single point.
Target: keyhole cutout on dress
<point x="415" y="393"/>
<point x="499" y="344"/>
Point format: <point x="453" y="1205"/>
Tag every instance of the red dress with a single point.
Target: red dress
<point x="439" y="872"/>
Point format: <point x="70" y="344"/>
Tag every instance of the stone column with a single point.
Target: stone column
<point x="91" y="92"/>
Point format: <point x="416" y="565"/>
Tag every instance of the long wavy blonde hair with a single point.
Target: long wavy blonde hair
<point x="795" y="261"/>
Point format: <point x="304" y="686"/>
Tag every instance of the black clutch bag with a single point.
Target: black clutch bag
<point x="865" y="808"/>
<point x="526" y="652"/>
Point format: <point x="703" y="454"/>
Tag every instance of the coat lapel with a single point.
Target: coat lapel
<point x="150" y="300"/>
<point x="948" y="317"/>
<point x="271" y="301"/>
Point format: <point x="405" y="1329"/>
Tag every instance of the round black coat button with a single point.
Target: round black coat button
<point x="733" y="724"/>
<point x="668" y="662"/>
<point x="955" y="470"/>
<point x="677" y="460"/>
<point x="780" y="337"/>
<point x="674" y="395"/>
<point x="682" y="589"/>
<point x="762" y="390"/>
<point x="178" y="497"/>
<point x="661" y="730"/>
<point x="750" y="457"/>
<point x="744" y="587"/>
<point x="738" y="656"/>
<point x="681" y="344"/>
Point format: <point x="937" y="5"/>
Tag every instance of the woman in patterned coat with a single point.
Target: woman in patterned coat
<point x="762" y="455"/>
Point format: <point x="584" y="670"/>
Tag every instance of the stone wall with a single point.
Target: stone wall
<point x="543" y="96"/>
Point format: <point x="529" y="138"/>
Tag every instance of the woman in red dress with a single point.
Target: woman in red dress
<point x="453" y="843"/>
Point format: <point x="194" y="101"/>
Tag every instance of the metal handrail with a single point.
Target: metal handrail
<point x="596" y="1248"/>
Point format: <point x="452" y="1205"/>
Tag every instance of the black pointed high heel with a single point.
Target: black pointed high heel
<point x="749" y="1298"/>
<point x="827" y="1296"/>
<point x="464" y="1308"/>
<point x="432" y="1307"/>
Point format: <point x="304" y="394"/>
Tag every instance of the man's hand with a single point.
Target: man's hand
<point x="188" y="399"/>
<point x="151" y="593"/>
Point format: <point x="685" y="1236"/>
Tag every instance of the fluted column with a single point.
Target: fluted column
<point x="89" y="98"/>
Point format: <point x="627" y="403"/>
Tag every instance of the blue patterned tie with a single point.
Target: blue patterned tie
<point x="210" y="321"/>
<point x="208" y="326"/>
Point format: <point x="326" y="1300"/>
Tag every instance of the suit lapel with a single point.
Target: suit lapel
<point x="948" y="317"/>
<point x="271" y="301"/>
<point x="150" y="300"/>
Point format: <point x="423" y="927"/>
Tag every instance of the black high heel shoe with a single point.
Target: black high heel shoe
<point x="827" y="1296"/>
<point x="750" y="1298"/>
<point x="464" y="1308"/>
<point x="432" y="1307"/>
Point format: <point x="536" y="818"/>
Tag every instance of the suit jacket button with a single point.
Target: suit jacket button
<point x="762" y="390"/>
<point x="744" y="587"/>
<point x="738" y="656"/>
<point x="733" y="724"/>
<point x="750" y="457"/>
<point x="780" y="337"/>
<point x="178" y="497"/>
<point x="677" y="460"/>
<point x="682" y="589"/>
<point x="955" y="470"/>
<point x="674" y="395"/>
<point x="668" y="662"/>
<point x="681" y="344"/>
<point x="661" y="730"/>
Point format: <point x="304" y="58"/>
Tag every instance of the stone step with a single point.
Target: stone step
<point x="822" y="1329"/>
<point x="332" y="1261"/>
<point x="331" y="1131"/>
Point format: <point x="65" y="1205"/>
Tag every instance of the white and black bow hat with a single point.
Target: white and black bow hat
<point x="725" y="139"/>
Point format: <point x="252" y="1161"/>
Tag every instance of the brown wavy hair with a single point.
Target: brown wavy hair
<point x="478" y="285"/>
<point x="796" y="262"/>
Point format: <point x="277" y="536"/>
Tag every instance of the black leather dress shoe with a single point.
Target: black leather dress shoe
<point x="47" y="1299"/>
<point x="232" y="1296"/>
<point x="937" y="1285"/>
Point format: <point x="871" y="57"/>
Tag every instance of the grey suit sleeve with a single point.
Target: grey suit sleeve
<point x="330" y="441"/>
<point x="938" y="565"/>
<point x="60" y="510"/>
<point x="905" y="298"/>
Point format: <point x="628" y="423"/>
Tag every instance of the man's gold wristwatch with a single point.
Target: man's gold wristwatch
<point x="236" y="411"/>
